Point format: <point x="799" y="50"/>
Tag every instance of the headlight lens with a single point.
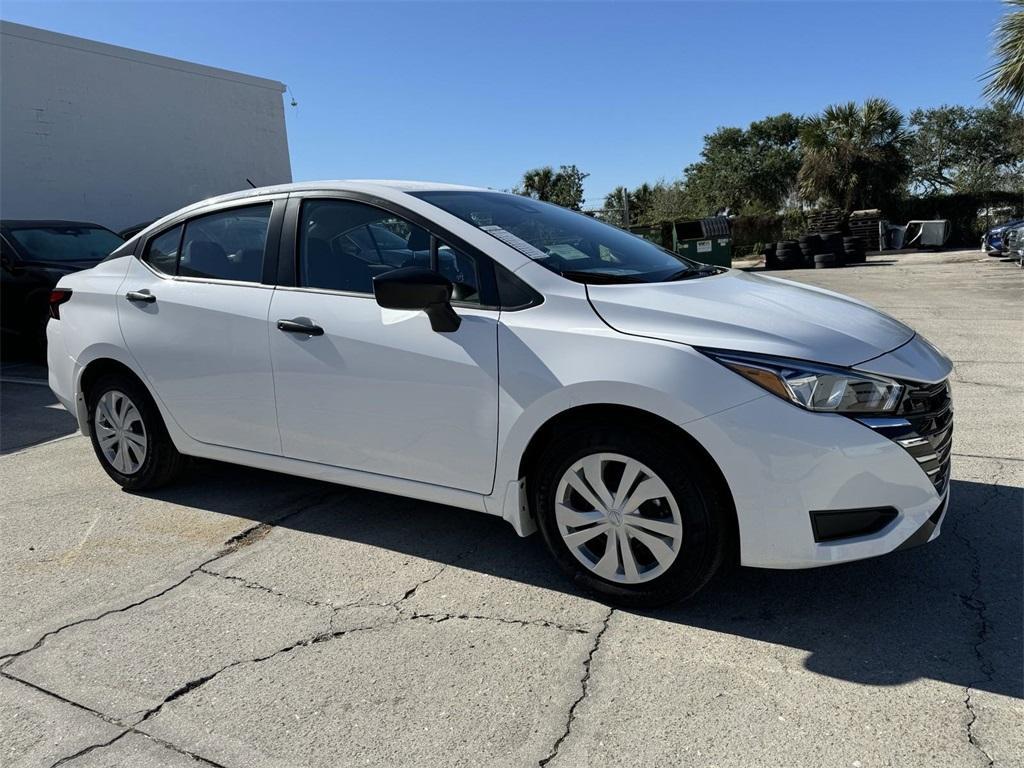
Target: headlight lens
<point x="815" y="387"/>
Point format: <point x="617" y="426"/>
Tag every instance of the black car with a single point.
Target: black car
<point x="34" y="255"/>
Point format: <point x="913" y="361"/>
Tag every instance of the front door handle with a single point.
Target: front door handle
<point x="293" y="326"/>
<point x="144" y="296"/>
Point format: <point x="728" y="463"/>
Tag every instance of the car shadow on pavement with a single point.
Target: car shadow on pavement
<point x="949" y="611"/>
<point x="30" y="414"/>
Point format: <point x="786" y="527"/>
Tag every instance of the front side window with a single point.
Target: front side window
<point x="344" y="244"/>
<point x="566" y="242"/>
<point x="226" y="245"/>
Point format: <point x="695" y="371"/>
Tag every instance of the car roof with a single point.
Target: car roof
<point x="367" y="186"/>
<point x="342" y="185"/>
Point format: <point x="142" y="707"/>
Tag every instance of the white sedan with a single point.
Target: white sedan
<point x="653" y="417"/>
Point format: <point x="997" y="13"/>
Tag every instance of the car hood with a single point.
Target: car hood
<point x="750" y="313"/>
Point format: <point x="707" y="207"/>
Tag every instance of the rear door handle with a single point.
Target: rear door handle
<point x="292" y="326"/>
<point x="143" y="296"/>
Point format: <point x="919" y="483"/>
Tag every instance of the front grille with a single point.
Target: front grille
<point x="929" y="409"/>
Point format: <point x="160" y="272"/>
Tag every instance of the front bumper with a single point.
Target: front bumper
<point x="782" y="462"/>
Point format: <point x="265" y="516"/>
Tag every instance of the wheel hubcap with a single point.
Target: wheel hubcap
<point x="120" y="432"/>
<point x="618" y="518"/>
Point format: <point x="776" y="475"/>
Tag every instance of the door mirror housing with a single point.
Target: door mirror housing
<point x="418" y="288"/>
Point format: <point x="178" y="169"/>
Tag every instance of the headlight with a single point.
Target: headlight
<point x="814" y="387"/>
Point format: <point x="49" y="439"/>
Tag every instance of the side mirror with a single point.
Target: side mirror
<point x="418" y="288"/>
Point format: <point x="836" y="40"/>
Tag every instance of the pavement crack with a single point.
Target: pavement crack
<point x="15" y="656"/>
<point x="244" y="538"/>
<point x="63" y="699"/>
<point x="410" y="593"/>
<point x="585" y="686"/>
<point x="199" y="682"/>
<point x="439" y="617"/>
<point x="975" y="604"/>
<point x="248" y="584"/>
<point x="90" y="748"/>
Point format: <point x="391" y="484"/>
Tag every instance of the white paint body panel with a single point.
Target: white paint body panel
<point x="204" y="349"/>
<point x="749" y="313"/>
<point x="381" y="392"/>
<point x="382" y="402"/>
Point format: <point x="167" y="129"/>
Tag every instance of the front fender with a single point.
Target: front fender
<point x="551" y="365"/>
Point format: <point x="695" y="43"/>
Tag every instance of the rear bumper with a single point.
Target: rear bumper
<point x="62" y="373"/>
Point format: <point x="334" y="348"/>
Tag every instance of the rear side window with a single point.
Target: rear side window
<point x="226" y="245"/>
<point x="162" y="251"/>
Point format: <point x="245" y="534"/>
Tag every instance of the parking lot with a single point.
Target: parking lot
<point x="243" y="618"/>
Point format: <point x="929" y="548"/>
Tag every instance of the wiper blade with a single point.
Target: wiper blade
<point x="603" y="278"/>
<point x="690" y="272"/>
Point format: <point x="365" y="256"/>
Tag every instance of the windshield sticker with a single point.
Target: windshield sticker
<point x="567" y="252"/>
<point x="516" y="242"/>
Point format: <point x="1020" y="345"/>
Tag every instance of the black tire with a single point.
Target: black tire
<point x="162" y="462"/>
<point x="705" y="511"/>
<point x="825" y="261"/>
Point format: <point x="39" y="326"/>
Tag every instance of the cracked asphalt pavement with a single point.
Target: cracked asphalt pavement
<point x="243" y="618"/>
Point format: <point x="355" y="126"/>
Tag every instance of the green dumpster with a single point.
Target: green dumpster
<point x="708" y="241"/>
<point x="659" y="234"/>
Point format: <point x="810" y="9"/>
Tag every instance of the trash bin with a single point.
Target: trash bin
<point x="708" y="241"/>
<point x="659" y="234"/>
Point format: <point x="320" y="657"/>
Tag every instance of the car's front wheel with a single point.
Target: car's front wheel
<point x="129" y="436"/>
<point x="634" y="517"/>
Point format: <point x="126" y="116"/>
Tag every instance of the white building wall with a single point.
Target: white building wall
<point x="99" y="133"/>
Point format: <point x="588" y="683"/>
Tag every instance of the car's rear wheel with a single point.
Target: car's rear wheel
<point x="129" y="436"/>
<point x="633" y="517"/>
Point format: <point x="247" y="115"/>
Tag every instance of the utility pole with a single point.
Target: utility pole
<point x="625" y="208"/>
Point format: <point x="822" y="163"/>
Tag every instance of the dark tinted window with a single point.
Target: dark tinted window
<point x="227" y="245"/>
<point x="162" y="251"/>
<point x="343" y="245"/>
<point x="66" y="243"/>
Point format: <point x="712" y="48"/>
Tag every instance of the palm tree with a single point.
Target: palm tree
<point x="614" y="206"/>
<point x="1006" y="78"/>
<point x="854" y="156"/>
<point x="538" y="183"/>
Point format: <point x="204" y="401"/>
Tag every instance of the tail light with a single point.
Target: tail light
<point x="58" y="296"/>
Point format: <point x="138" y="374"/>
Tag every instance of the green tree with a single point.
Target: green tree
<point x="1006" y="78"/>
<point x="750" y="170"/>
<point x="854" y="156"/>
<point x="966" y="149"/>
<point x="614" y="211"/>
<point x="563" y="187"/>
<point x="648" y="204"/>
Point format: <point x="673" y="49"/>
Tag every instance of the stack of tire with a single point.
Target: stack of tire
<point x="810" y="246"/>
<point x="854" y="250"/>
<point x="787" y="254"/>
<point x="831" y="253"/>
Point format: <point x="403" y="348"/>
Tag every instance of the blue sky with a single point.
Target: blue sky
<point x="479" y="92"/>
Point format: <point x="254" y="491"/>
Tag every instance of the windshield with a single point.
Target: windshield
<point x="566" y="242"/>
<point x="66" y="243"/>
